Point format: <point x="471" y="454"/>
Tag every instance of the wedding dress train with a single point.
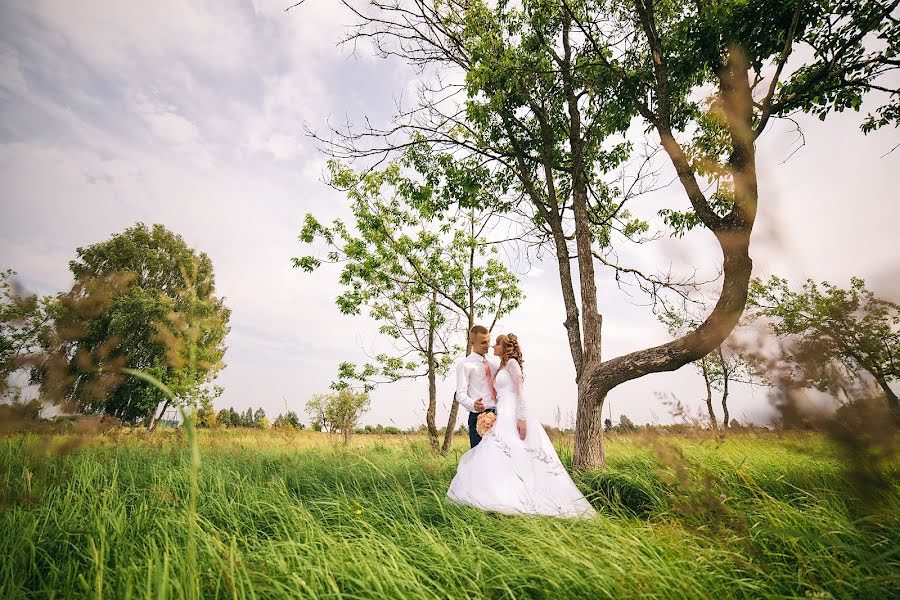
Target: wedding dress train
<point x="509" y="475"/>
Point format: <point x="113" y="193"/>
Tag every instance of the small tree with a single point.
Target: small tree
<point x="625" y="424"/>
<point x="825" y="327"/>
<point x="288" y="420"/>
<point x="259" y="415"/>
<point x="422" y="271"/>
<point x="224" y="418"/>
<point x="338" y="411"/>
<point x="317" y="409"/>
<point x="206" y="413"/>
<point x="719" y="368"/>
<point x="345" y="409"/>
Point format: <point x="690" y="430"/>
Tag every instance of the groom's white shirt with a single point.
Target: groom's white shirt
<point x="472" y="383"/>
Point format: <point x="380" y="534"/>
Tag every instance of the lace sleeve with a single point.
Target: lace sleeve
<point x="518" y="378"/>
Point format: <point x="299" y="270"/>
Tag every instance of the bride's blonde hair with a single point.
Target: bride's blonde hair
<point x="511" y="349"/>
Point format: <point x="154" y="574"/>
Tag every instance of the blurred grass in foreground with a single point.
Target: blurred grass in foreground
<point x="295" y="515"/>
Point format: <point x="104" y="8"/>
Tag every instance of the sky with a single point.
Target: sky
<point x="192" y="115"/>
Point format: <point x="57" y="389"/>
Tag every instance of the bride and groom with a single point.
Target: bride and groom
<point x="514" y="468"/>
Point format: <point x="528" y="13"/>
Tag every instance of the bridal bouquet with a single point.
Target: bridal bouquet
<point x="485" y="423"/>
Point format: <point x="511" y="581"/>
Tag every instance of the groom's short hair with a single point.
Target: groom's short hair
<point x="478" y="330"/>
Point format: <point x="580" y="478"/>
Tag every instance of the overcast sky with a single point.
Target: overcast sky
<point x="190" y="114"/>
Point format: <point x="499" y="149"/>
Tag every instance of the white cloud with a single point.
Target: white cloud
<point x="169" y="126"/>
<point x="12" y="79"/>
<point x="120" y="37"/>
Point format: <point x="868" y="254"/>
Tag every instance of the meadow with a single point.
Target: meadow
<point x="249" y="514"/>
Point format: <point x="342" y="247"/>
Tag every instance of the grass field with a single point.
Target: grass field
<point x="269" y="515"/>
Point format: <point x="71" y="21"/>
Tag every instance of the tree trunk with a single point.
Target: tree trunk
<point x="893" y="402"/>
<point x="590" y="451"/>
<point x="712" y="415"/>
<point x="590" y="448"/>
<point x="156" y="419"/>
<point x="725" y="422"/>
<point x="451" y="426"/>
<point x="432" y="408"/>
<point x="432" y="388"/>
<point x="725" y="377"/>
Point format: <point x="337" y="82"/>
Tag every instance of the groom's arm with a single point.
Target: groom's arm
<point x="462" y="388"/>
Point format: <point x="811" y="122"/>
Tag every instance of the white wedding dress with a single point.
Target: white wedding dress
<point x="506" y="474"/>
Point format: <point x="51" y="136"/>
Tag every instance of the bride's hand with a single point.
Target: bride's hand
<point x="521" y="427"/>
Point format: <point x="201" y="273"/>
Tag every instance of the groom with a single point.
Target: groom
<point x="475" y="380"/>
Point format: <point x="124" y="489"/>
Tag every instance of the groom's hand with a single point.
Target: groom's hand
<point x="479" y="405"/>
<point x="520" y="425"/>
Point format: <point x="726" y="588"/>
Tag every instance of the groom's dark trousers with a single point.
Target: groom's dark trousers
<point x="474" y="438"/>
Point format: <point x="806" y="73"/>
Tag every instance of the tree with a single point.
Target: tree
<point x="288" y="420"/>
<point x="626" y="425"/>
<point x="206" y="414"/>
<point x="317" y="409"/>
<point x="547" y="83"/>
<point x="144" y="300"/>
<point x="259" y="416"/>
<point x="224" y="418"/>
<point x="345" y="408"/>
<point x="338" y="411"/>
<point x="25" y="323"/>
<point x="421" y="270"/>
<point x="719" y="368"/>
<point x="826" y="327"/>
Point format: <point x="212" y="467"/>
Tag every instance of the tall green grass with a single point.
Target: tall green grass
<point x="294" y="516"/>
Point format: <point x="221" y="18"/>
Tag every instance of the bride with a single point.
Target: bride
<point x="515" y="468"/>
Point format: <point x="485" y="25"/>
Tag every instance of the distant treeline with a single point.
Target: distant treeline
<point x="256" y="419"/>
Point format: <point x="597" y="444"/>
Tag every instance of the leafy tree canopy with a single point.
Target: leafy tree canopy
<point x="145" y="300"/>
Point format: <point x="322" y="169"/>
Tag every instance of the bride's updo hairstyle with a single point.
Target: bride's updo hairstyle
<point x="511" y="349"/>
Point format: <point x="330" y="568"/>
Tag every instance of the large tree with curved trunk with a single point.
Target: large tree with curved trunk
<point x="544" y="89"/>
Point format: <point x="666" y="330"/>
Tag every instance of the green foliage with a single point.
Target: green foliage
<point x="625" y="424"/>
<point x="856" y="46"/>
<point x="25" y="324"/>
<point x="206" y="414"/>
<point x="339" y="411"/>
<point x="288" y="420"/>
<point x="827" y="326"/>
<point x="254" y="419"/>
<point x="144" y="300"/>
<point x="839" y="51"/>
<point x="317" y="410"/>
<point x="516" y="108"/>
<point x="415" y="258"/>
